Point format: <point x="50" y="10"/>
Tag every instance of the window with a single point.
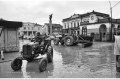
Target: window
<point x="24" y="28"/>
<point x="32" y="28"/>
<point x="65" y="25"/>
<point x="74" y="24"/>
<point x="77" y="24"/>
<point x="84" y="30"/>
<point x="71" y="24"/>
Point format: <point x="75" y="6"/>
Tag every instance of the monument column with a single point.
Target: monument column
<point x="50" y="23"/>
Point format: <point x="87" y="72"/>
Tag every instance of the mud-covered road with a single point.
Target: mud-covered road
<point x="97" y="61"/>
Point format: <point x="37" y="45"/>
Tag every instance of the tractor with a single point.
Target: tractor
<point x="42" y="53"/>
<point x="70" y="40"/>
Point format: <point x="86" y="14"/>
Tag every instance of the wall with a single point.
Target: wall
<point x="70" y="24"/>
<point x="1" y="39"/>
<point x="95" y="27"/>
<point x="9" y="39"/>
<point x="30" y="29"/>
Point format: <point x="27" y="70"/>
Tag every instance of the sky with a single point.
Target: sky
<point x="38" y="11"/>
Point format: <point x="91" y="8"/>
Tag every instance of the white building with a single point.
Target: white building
<point x="56" y="29"/>
<point x="92" y="23"/>
<point x="28" y="30"/>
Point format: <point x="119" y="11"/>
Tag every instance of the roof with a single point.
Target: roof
<point x="97" y="13"/>
<point x="86" y="14"/>
<point x="37" y="24"/>
<point x="54" y="25"/>
<point x="10" y="24"/>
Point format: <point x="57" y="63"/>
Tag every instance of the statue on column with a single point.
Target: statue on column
<point x="50" y="22"/>
<point x="50" y="17"/>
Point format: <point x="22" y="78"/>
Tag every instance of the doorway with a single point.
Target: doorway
<point x="103" y="31"/>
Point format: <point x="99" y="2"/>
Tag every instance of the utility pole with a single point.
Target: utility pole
<point x="111" y="36"/>
<point x="110" y="21"/>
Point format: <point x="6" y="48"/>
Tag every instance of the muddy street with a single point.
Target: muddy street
<point x="97" y="61"/>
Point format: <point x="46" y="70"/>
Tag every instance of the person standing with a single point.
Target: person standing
<point x="117" y="51"/>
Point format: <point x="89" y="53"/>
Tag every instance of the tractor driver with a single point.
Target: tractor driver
<point x="39" y="38"/>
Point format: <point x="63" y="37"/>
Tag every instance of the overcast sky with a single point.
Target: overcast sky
<point x="38" y="11"/>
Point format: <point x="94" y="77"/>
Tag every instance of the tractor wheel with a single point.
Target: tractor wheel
<point x="42" y="65"/>
<point x="69" y="41"/>
<point x="16" y="64"/>
<point x="56" y="41"/>
<point x="50" y="54"/>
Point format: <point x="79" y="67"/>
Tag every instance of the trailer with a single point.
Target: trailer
<point x="9" y="39"/>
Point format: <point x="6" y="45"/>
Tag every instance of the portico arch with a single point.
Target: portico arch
<point x="103" y="32"/>
<point x="113" y="32"/>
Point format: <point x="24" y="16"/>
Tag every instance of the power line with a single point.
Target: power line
<point x="113" y="6"/>
<point x="116" y="4"/>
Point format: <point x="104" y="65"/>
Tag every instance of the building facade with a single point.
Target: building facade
<point x="56" y="29"/>
<point x="28" y="30"/>
<point x="99" y="25"/>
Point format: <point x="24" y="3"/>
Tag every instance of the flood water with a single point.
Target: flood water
<point x="97" y="61"/>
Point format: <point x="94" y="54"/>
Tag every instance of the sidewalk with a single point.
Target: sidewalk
<point x="9" y="56"/>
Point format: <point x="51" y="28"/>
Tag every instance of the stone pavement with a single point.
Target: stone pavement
<point x="9" y="56"/>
